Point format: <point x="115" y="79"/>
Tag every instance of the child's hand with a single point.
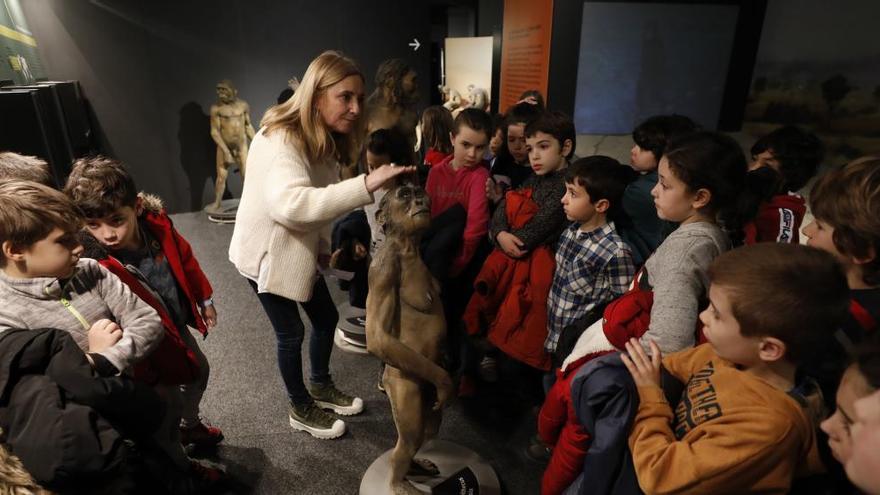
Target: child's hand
<point x="360" y="251"/>
<point x="510" y="244"/>
<point x="644" y="370"/>
<point x="103" y="334"/>
<point x="209" y="314"/>
<point x="494" y="192"/>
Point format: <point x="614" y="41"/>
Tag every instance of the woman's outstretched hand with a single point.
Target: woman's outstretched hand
<point x="379" y="176"/>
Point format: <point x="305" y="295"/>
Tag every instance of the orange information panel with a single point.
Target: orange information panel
<point x="525" y="49"/>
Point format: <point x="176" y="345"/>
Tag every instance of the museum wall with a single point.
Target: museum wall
<point x="149" y="69"/>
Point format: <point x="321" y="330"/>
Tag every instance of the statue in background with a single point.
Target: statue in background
<point x="231" y="129"/>
<point x="406" y="329"/>
<point x="392" y="104"/>
<point x="450" y="96"/>
<point x="478" y="98"/>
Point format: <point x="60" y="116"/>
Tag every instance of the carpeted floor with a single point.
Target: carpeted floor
<point x="245" y="398"/>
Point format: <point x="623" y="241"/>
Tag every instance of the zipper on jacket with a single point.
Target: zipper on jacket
<point x="75" y="313"/>
<point x="66" y="303"/>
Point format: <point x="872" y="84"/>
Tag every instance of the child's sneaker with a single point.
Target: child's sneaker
<point x="205" y="476"/>
<point x="489" y="369"/>
<point x="315" y="421"/>
<point x="201" y="436"/>
<point x="327" y="396"/>
<point x="538" y="451"/>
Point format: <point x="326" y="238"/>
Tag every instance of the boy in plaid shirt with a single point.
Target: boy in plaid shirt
<point x="593" y="264"/>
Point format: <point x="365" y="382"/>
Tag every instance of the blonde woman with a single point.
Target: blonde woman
<point x="282" y="230"/>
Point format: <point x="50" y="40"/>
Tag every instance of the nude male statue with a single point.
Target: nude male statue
<point x="406" y="329"/>
<point x="231" y="129"/>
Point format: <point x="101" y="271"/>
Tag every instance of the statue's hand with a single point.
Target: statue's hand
<point x="227" y="156"/>
<point x="444" y="390"/>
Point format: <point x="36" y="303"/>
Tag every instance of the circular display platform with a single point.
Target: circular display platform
<point x="351" y="334"/>
<point x="224" y="214"/>
<point x="344" y="344"/>
<point x="461" y="471"/>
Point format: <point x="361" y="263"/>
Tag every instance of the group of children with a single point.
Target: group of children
<point x="103" y="267"/>
<point x="686" y="342"/>
<point x="686" y="266"/>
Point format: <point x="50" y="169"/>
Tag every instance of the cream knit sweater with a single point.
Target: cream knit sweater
<point x="285" y="215"/>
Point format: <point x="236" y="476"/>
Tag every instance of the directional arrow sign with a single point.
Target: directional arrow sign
<point x="415" y="44"/>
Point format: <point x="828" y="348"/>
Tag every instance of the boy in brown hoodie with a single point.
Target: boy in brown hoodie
<point x="742" y="424"/>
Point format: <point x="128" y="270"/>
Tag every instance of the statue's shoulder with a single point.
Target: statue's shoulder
<point x="385" y="264"/>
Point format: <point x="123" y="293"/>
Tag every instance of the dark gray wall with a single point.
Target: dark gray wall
<point x="149" y="69"/>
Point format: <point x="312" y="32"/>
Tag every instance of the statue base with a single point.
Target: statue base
<point x="461" y="471"/>
<point x="351" y="334"/>
<point x="225" y="213"/>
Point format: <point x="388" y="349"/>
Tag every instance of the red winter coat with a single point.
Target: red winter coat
<point x="778" y="220"/>
<point x="559" y="428"/>
<point x="172" y="362"/>
<point x="510" y="297"/>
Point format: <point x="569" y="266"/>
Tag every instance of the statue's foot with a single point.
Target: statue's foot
<point x="404" y="488"/>
<point x="422" y="467"/>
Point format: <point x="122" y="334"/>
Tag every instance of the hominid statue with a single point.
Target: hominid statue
<point x="231" y="129"/>
<point x="406" y="329"/>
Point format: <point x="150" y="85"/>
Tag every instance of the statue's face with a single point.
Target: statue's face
<point x="225" y="93"/>
<point x="409" y="84"/>
<point x="408" y="210"/>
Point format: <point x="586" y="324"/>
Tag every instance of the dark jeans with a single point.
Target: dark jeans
<point x="289" y="332"/>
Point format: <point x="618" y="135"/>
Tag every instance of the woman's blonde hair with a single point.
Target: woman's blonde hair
<point x="298" y="117"/>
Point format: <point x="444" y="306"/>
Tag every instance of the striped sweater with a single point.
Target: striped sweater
<point x="74" y="305"/>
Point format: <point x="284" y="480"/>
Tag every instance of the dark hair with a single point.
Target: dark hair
<point x="848" y="199"/>
<point x="521" y="113"/>
<point x="99" y="186"/>
<point x="534" y="93"/>
<point x="14" y="166"/>
<point x="655" y="132"/>
<point x="436" y="125"/>
<point x="498" y="123"/>
<point x="475" y="119"/>
<point x="602" y="177"/>
<point x="798" y="153"/>
<point x="795" y="293"/>
<point x="388" y="142"/>
<point x="866" y="359"/>
<point x="558" y="125"/>
<point x="715" y="162"/>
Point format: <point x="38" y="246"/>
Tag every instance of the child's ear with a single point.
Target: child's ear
<point x="872" y="255"/>
<point x="452" y="139"/>
<point x="771" y="349"/>
<point x="602" y="205"/>
<point x="12" y="252"/>
<point x="701" y="198"/>
<point x="566" y="147"/>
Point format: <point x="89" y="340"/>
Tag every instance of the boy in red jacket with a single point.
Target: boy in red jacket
<point x="137" y="241"/>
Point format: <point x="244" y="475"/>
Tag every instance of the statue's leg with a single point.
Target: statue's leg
<point x="242" y="156"/>
<point x="220" y="184"/>
<point x="406" y="407"/>
<point x="432" y="420"/>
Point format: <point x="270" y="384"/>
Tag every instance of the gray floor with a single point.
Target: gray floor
<point x="245" y="398"/>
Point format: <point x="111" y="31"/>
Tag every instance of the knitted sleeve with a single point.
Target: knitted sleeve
<point x="547" y="224"/>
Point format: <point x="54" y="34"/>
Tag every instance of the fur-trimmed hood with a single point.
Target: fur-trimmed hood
<point x="151" y="202"/>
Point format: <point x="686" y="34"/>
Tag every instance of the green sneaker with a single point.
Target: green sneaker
<point x="329" y="397"/>
<point x="313" y="420"/>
